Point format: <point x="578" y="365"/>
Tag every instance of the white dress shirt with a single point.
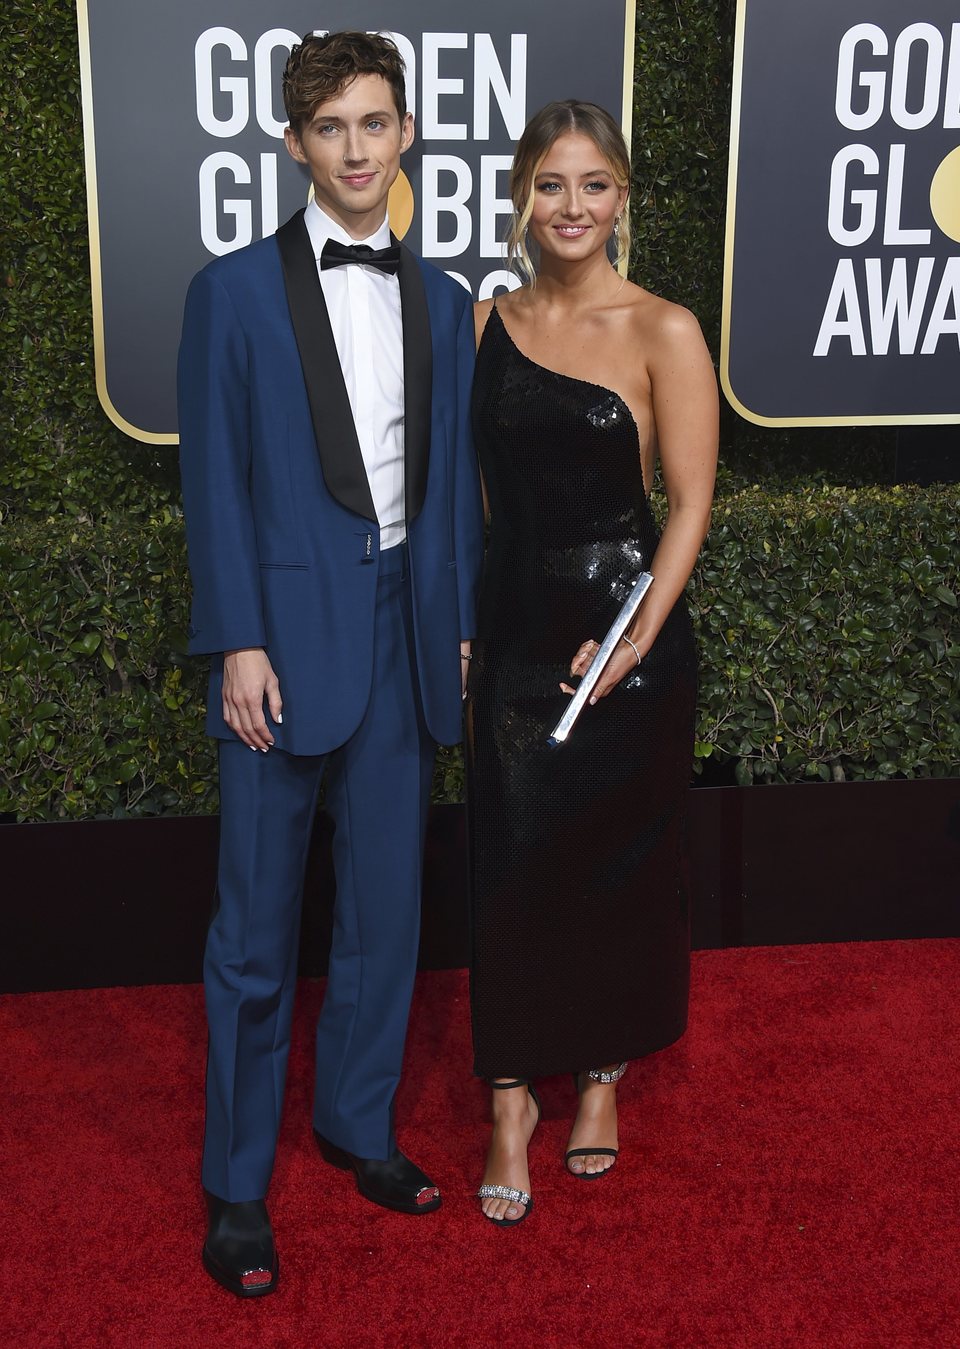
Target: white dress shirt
<point x="364" y="308"/>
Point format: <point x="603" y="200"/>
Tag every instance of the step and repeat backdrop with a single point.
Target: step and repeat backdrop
<point x="842" y="280"/>
<point x="184" y="122"/>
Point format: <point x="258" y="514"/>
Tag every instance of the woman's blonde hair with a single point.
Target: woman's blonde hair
<point x="558" y="119"/>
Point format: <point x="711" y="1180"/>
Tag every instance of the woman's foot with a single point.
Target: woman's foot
<point x="515" y="1116"/>
<point x="595" y="1125"/>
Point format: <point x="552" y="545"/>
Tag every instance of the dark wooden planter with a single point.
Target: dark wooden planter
<point x="102" y="903"/>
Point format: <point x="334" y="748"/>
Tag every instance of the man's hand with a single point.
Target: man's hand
<point x="248" y="678"/>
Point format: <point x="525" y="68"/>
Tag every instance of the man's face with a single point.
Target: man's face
<point x="352" y="147"/>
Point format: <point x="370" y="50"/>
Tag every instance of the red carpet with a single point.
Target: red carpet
<point x="789" y="1177"/>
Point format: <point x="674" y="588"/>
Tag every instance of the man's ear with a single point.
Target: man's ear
<point x="406" y="132"/>
<point x="292" y="141"/>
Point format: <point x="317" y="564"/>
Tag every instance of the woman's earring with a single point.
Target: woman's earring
<point x="616" y="234"/>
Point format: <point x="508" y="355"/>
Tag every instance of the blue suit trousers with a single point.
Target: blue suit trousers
<point x="377" y="792"/>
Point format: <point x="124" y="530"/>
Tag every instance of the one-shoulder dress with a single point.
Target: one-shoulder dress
<point x="580" y="929"/>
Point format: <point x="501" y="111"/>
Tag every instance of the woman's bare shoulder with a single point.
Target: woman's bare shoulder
<point x="653" y="312"/>
<point x="662" y="326"/>
<point x="482" y="310"/>
<point x="509" y="300"/>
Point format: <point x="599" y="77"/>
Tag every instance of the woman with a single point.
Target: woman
<point x="581" y="957"/>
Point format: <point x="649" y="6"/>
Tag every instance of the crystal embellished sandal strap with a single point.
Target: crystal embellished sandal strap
<point x="504" y="1192"/>
<point x="598" y="1075"/>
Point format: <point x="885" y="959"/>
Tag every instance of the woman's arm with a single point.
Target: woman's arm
<point x="686" y="414"/>
<point x="482" y="310"/>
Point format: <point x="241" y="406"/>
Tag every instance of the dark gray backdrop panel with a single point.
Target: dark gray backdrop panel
<point x="784" y="258"/>
<point x="150" y="144"/>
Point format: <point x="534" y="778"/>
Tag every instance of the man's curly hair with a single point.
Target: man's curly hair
<point x="318" y="68"/>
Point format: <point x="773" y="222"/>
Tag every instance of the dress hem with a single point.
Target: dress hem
<point x="618" y="1055"/>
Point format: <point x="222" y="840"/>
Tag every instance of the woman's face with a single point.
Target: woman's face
<point x="576" y="200"/>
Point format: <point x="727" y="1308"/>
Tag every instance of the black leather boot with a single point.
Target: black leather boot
<point x="239" y="1251"/>
<point x="395" y="1184"/>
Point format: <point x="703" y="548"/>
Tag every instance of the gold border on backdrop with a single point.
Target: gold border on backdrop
<point x="93" y="210"/>
<point x="901" y="419"/>
<point x="626" y="116"/>
<point x="93" y="224"/>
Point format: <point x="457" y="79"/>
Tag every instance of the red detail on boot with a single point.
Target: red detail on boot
<point x="255" y="1278"/>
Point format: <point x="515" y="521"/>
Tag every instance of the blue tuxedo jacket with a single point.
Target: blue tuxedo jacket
<point x="281" y="527"/>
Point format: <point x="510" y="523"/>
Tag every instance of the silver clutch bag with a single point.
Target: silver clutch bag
<point x="596" y="667"/>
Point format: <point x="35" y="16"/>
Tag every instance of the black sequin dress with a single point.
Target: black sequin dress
<point x="579" y="913"/>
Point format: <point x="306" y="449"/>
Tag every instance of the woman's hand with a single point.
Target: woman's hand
<point x="621" y="663"/>
<point x="466" y="657"/>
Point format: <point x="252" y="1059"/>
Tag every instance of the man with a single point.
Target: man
<point x="335" y="529"/>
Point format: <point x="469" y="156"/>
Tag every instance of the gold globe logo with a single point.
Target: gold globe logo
<point x="945" y="195"/>
<point x="400" y="205"/>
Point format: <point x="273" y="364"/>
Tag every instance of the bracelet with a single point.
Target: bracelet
<point x="465" y="656"/>
<point x="632" y="646"/>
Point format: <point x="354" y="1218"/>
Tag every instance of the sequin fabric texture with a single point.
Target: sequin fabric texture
<point x="579" y="912"/>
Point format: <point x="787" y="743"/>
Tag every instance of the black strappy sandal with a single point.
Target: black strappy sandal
<point x="598" y="1076"/>
<point x="515" y="1196"/>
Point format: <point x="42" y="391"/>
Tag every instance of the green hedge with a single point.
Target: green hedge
<point x="830" y="636"/>
<point x="100" y="713"/>
<point x="58" y="451"/>
<point x="827" y="620"/>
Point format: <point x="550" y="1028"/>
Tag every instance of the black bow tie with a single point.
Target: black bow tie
<point x="339" y="255"/>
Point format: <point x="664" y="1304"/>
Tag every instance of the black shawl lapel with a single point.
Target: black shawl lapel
<point x="417" y="381"/>
<point x="333" y="425"/>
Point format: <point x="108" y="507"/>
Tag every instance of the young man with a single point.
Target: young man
<point x="334" y="527"/>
